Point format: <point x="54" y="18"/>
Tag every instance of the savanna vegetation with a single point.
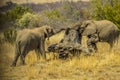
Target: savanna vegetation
<point x="103" y="65"/>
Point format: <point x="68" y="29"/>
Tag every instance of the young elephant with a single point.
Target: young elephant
<point x="31" y="39"/>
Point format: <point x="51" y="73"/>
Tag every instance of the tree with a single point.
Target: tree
<point x="8" y="21"/>
<point x="107" y="9"/>
<point x="28" y="20"/>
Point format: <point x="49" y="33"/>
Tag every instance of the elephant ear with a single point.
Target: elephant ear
<point x="89" y="29"/>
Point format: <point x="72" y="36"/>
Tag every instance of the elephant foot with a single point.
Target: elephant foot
<point x="23" y="64"/>
<point x="96" y="51"/>
<point x="13" y="65"/>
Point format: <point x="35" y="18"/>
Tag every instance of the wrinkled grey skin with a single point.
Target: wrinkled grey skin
<point x="31" y="39"/>
<point x="106" y="30"/>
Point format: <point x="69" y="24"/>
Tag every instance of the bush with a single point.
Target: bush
<point x="13" y="14"/>
<point x="28" y="20"/>
<point x="8" y="19"/>
<point x="54" y="15"/>
<point x="107" y="10"/>
<point x="17" y="12"/>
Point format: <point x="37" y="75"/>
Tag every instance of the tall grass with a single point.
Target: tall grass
<point x="63" y="68"/>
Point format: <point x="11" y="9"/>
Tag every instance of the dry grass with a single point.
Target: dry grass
<point x="103" y="65"/>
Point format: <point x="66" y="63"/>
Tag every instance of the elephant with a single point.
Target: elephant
<point x="106" y="30"/>
<point x="31" y="39"/>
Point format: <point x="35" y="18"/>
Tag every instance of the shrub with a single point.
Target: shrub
<point x="28" y="20"/>
<point x="13" y="14"/>
<point x="8" y="19"/>
<point x="54" y="15"/>
<point x="107" y="10"/>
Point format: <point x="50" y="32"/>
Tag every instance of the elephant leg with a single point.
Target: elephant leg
<point x="42" y="48"/>
<point x="42" y="52"/>
<point x="38" y="53"/>
<point x="89" y="44"/>
<point x="23" y="55"/>
<point x="22" y="59"/>
<point x="17" y="54"/>
<point x="15" y="59"/>
<point x="111" y="46"/>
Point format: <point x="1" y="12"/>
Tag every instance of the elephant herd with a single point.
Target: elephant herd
<point x="34" y="39"/>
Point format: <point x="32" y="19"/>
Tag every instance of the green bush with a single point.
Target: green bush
<point x="107" y="10"/>
<point x="8" y="21"/>
<point x="17" y="12"/>
<point x="28" y="20"/>
<point x="54" y="15"/>
<point x="13" y="14"/>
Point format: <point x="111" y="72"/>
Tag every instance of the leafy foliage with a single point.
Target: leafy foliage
<point x="59" y="17"/>
<point x="28" y="20"/>
<point x="54" y="14"/>
<point x="12" y="15"/>
<point x="8" y="19"/>
<point x="107" y="10"/>
<point x="17" y="12"/>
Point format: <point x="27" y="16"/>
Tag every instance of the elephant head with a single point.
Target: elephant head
<point x="88" y="27"/>
<point x="106" y="30"/>
<point x="77" y="27"/>
<point x="48" y="31"/>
